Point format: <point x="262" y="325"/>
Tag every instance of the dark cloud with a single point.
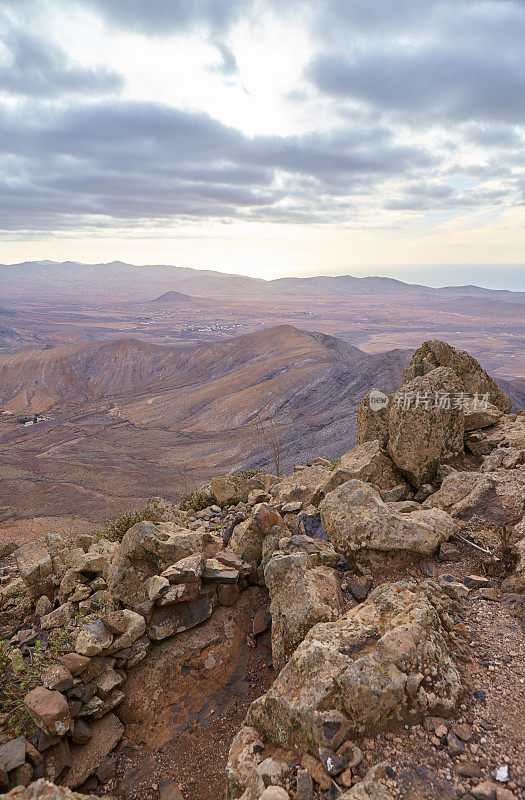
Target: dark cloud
<point x="166" y="16"/>
<point x="132" y="160"/>
<point x="35" y="69"/>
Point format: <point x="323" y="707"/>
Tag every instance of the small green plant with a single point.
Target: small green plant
<point x="247" y="473"/>
<point x="115" y="529"/>
<point x="195" y="501"/>
<point x="18" y="675"/>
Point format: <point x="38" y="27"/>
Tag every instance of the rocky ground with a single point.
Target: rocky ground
<point x="353" y="630"/>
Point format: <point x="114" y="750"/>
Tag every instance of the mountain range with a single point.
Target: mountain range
<point x="117" y="279"/>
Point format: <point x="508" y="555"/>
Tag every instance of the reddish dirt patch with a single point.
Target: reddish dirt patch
<point x="186" y="701"/>
<point x="27" y="530"/>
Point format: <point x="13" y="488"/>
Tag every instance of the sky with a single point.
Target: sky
<point x="267" y="138"/>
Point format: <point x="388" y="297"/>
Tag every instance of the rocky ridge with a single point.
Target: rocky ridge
<point x="353" y="666"/>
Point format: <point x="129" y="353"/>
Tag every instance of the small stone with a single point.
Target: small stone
<point x="93" y="638"/>
<point x="476" y="582"/>
<point x="455" y="746"/>
<point x="57" y="676"/>
<point x="157" y="586"/>
<point x="43" y="606"/>
<point x="502" y="774"/>
<point x="484" y="791"/>
<point x="262" y="621"/>
<point x="480" y="696"/>
<point x="81" y="732"/>
<point x="359" y="586"/>
<point x="441" y="731"/>
<point x="462" y="731"/>
<point x="227" y="594"/>
<point x="332" y="762"/>
<point x="107" y="769"/>
<point x="169" y="790"/>
<point x="274" y="793"/>
<point x="305" y="786"/>
<point x="449" y="552"/>
<point x="57" y="618"/>
<point x="22" y="775"/>
<point x="13" y="754"/>
<point x="75" y="663"/>
<point x="468" y="769"/>
<point x="428" y="569"/>
<point x="49" y="710"/>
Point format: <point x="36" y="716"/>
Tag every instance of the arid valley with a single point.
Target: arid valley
<point x="151" y="395"/>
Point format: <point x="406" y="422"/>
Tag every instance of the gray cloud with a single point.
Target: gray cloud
<point x="133" y="160"/>
<point x="33" y="69"/>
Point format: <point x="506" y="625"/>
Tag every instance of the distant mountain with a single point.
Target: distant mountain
<point x="74" y="280"/>
<point x="178" y="300"/>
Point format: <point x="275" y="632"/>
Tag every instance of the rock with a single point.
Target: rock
<point x="75" y="663"/>
<point x="353" y="675"/>
<point x="173" y="619"/>
<point x="370" y="463"/>
<point x="130" y="625"/>
<point x="462" y="731"/>
<point x="502" y="773"/>
<point x="272" y="772"/>
<point x="49" y="710"/>
<point x="455" y="746"/>
<point x="82" y="732"/>
<point x="57" y="759"/>
<point x="43" y="790"/>
<point x="262" y="621"/>
<point x="359" y="586"/>
<point x="247" y="537"/>
<point x="58" y="677"/>
<point x="274" y="793"/>
<point x="86" y="758"/>
<point x="35" y="568"/>
<point x="227" y="594"/>
<point x="372" y="787"/>
<point x="13" y="754"/>
<point x="180" y="593"/>
<point x="22" y="775"/>
<point x="57" y="618"/>
<point x="148" y="549"/>
<point x="476" y="582"/>
<point x="497" y="497"/>
<point x="230" y="490"/>
<point x="423" y="435"/>
<point x="449" y="552"/>
<point x="352" y="753"/>
<point x="301" y="486"/>
<point x="479" y="416"/>
<point x="93" y="638"/>
<point x="243" y="758"/>
<point x="333" y="763"/>
<point x="43" y="606"/>
<point x="468" y="769"/>
<point x="423" y="493"/>
<point x="323" y="553"/>
<point x="301" y="595"/>
<point x="484" y="791"/>
<point x="187" y="570"/>
<point x="7" y="549"/>
<point x="474" y="379"/>
<point x="316" y="770"/>
<point x="305" y="786"/>
<point x="216" y="572"/>
<point x="372" y="418"/>
<point x="107" y="769"/>
<point x="157" y="587"/>
<point x="355" y="518"/>
<point x="107" y="682"/>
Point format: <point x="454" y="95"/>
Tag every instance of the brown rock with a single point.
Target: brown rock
<point x="85" y="759"/>
<point x="75" y="663"/>
<point x="58" y="677"/>
<point x="49" y="710"/>
<point x="13" y="754"/>
<point x="57" y="759"/>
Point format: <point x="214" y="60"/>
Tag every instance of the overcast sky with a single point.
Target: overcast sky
<point x="268" y="138"/>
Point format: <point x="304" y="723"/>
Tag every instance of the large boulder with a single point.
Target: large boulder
<point x="352" y="676"/>
<point x="35" y="568"/>
<point x="302" y="593"/>
<point x="473" y="378"/>
<point x="248" y="537"/>
<point x="372" y="417"/>
<point x="497" y="497"/>
<point x="301" y="485"/>
<point x="368" y="462"/>
<point x="148" y="549"/>
<point x="356" y="519"/>
<point x="421" y="433"/>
